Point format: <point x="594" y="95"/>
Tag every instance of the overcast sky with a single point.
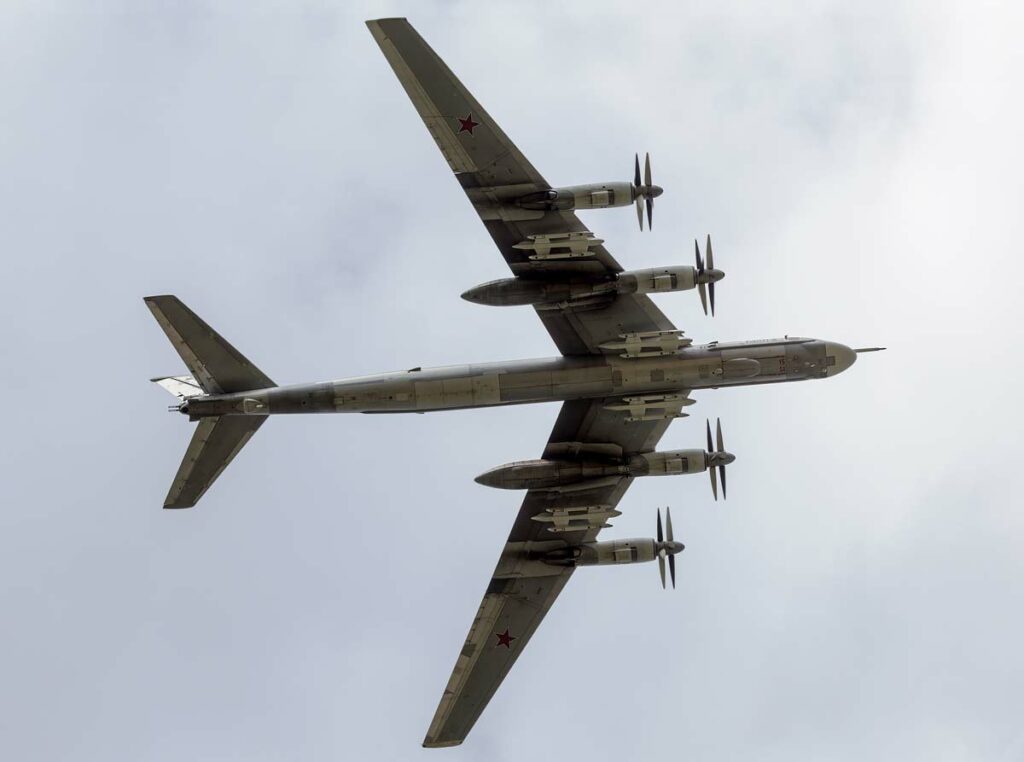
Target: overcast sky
<point x="860" y="595"/>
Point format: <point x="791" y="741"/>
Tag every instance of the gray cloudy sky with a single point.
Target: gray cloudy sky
<point x="858" y="597"/>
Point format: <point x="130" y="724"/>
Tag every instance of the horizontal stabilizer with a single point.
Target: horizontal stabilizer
<point x="215" y="442"/>
<point x="182" y="387"/>
<point x="215" y="364"/>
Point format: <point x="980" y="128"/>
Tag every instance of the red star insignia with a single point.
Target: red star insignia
<point x="504" y="639"/>
<point x="467" y="124"/>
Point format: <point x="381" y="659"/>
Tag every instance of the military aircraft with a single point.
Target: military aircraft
<point x="624" y="374"/>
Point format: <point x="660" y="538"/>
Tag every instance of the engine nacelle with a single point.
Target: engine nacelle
<point x="631" y="551"/>
<point x="508" y="292"/>
<point x="656" y="280"/>
<point x="594" y="196"/>
<point x="547" y="474"/>
<point x="668" y="463"/>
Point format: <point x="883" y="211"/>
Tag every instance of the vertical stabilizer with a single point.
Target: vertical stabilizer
<point x="215" y="364"/>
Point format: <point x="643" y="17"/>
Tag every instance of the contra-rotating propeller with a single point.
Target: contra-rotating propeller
<point x="667" y="549"/>
<point x="645" y="193"/>
<point x="717" y="457"/>
<point x="707" y="277"/>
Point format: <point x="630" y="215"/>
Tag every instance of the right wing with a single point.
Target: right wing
<point x="493" y="172"/>
<point x="523" y="588"/>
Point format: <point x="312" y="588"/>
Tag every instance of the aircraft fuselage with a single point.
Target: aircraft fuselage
<point x="543" y="380"/>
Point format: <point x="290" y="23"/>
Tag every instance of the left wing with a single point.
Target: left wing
<point x="494" y="173"/>
<point x="523" y="587"/>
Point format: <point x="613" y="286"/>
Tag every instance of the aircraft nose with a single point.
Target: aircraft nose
<point x="838" y="357"/>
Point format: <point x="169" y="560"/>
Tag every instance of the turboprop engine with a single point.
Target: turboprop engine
<point x="599" y="195"/>
<point x="629" y="551"/>
<point x="507" y="292"/>
<point x="584" y="465"/>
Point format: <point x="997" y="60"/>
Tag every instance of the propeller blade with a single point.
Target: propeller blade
<point x="668" y="522"/>
<point x="711" y="257"/>
<point x="672" y="570"/>
<point x="650" y="212"/>
<point x="661" y="570"/>
<point x="711" y="293"/>
<point x="660" y="537"/>
<point x="707" y="424"/>
<point x="718" y="435"/>
<point x="640" y="211"/>
<point x="701" y="286"/>
<point x="722" y="469"/>
<point x="714" y="483"/>
<point x="636" y="171"/>
<point x="647" y="172"/>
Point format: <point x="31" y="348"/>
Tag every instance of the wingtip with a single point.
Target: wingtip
<point x="428" y="744"/>
<point x="378" y="22"/>
<point x="158" y="298"/>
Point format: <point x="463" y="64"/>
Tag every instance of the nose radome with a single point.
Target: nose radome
<point x="838" y="357"/>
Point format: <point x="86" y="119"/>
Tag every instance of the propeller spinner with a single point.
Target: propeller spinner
<point x="645" y="192"/>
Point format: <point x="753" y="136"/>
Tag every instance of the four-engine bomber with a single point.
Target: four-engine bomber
<point x="624" y="373"/>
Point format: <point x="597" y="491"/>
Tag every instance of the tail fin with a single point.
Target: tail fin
<point x="217" y="368"/>
<point x="216" y="365"/>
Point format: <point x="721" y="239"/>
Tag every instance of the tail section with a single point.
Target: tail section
<point x="217" y="368"/>
<point x="215" y="364"/>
